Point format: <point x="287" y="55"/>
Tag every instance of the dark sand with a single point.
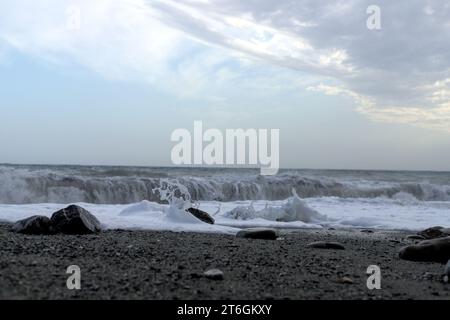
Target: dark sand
<point x="165" y="265"/>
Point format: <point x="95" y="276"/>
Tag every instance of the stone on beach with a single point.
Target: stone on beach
<point x="415" y="237"/>
<point x="201" y="215"/>
<point x="258" y="233"/>
<point x="346" y="280"/>
<point x="75" y="220"/>
<point x="447" y="268"/>
<point x="435" y="232"/>
<point x="214" y="274"/>
<point x="34" y="225"/>
<point x="435" y="250"/>
<point x="326" y="245"/>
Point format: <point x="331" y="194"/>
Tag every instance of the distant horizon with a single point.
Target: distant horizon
<point x="214" y="167"/>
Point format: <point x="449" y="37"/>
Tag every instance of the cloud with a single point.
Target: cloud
<point x="398" y="74"/>
<point x="437" y="117"/>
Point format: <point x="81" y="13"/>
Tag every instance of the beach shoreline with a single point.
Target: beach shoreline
<point x="121" y="264"/>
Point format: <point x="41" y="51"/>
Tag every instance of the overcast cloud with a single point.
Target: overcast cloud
<point x="399" y="74"/>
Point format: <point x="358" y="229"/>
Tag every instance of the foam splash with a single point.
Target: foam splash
<point x="294" y="209"/>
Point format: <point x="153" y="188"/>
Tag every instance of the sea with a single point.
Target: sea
<point x="155" y="198"/>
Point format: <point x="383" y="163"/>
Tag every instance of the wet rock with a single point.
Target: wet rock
<point x="214" y="274"/>
<point x="326" y="245"/>
<point x="435" y="250"/>
<point x="435" y="232"/>
<point x="75" y="220"/>
<point x="415" y="237"/>
<point x="34" y="225"/>
<point x="258" y="233"/>
<point x="447" y="269"/>
<point x="201" y="215"/>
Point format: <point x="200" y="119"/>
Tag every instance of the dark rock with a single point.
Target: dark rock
<point x="415" y="237"/>
<point x="201" y="215"/>
<point x="258" y="233"/>
<point x="435" y="232"/>
<point x="214" y="274"/>
<point x="34" y="225"/>
<point x="75" y="220"/>
<point x="366" y="231"/>
<point x="326" y="245"/>
<point x="435" y="250"/>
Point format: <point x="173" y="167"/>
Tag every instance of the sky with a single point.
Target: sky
<point x="108" y="81"/>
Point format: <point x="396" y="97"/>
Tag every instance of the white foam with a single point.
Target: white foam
<point x="379" y="213"/>
<point x="382" y="213"/>
<point x="399" y="210"/>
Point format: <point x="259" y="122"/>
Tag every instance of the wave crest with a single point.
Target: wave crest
<point x="21" y="185"/>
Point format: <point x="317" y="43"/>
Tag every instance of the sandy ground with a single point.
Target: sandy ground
<point x="165" y="265"/>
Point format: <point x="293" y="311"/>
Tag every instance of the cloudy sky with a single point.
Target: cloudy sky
<point x="107" y="81"/>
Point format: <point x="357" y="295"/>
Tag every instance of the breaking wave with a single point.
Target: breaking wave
<point x="121" y="185"/>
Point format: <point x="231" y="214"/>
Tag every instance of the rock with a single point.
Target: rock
<point x="366" y="231"/>
<point x="75" y="220"/>
<point x="326" y="245"/>
<point x="447" y="269"/>
<point x="346" y="280"/>
<point x="201" y="215"/>
<point x="435" y="232"/>
<point x="427" y="276"/>
<point x="34" y="225"/>
<point x="214" y="274"/>
<point x="258" y="233"/>
<point x="415" y="237"/>
<point x="435" y="250"/>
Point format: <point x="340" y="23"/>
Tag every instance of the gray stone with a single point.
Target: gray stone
<point x="435" y="250"/>
<point x="201" y="215"/>
<point x="447" y="269"/>
<point x="435" y="232"/>
<point x="326" y="245"/>
<point x="75" y="220"/>
<point x="415" y="237"/>
<point x="346" y="280"/>
<point x="34" y="225"/>
<point x="258" y="233"/>
<point x="214" y="274"/>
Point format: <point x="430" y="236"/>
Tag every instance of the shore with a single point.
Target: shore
<point x="119" y="264"/>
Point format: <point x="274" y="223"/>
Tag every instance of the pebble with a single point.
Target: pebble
<point x="214" y="274"/>
<point x="346" y="280"/>
<point x="326" y="245"/>
<point x="258" y="233"/>
<point x="415" y="237"/>
<point x="447" y="269"/>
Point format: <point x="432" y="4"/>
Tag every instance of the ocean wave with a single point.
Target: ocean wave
<point x="22" y="185"/>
